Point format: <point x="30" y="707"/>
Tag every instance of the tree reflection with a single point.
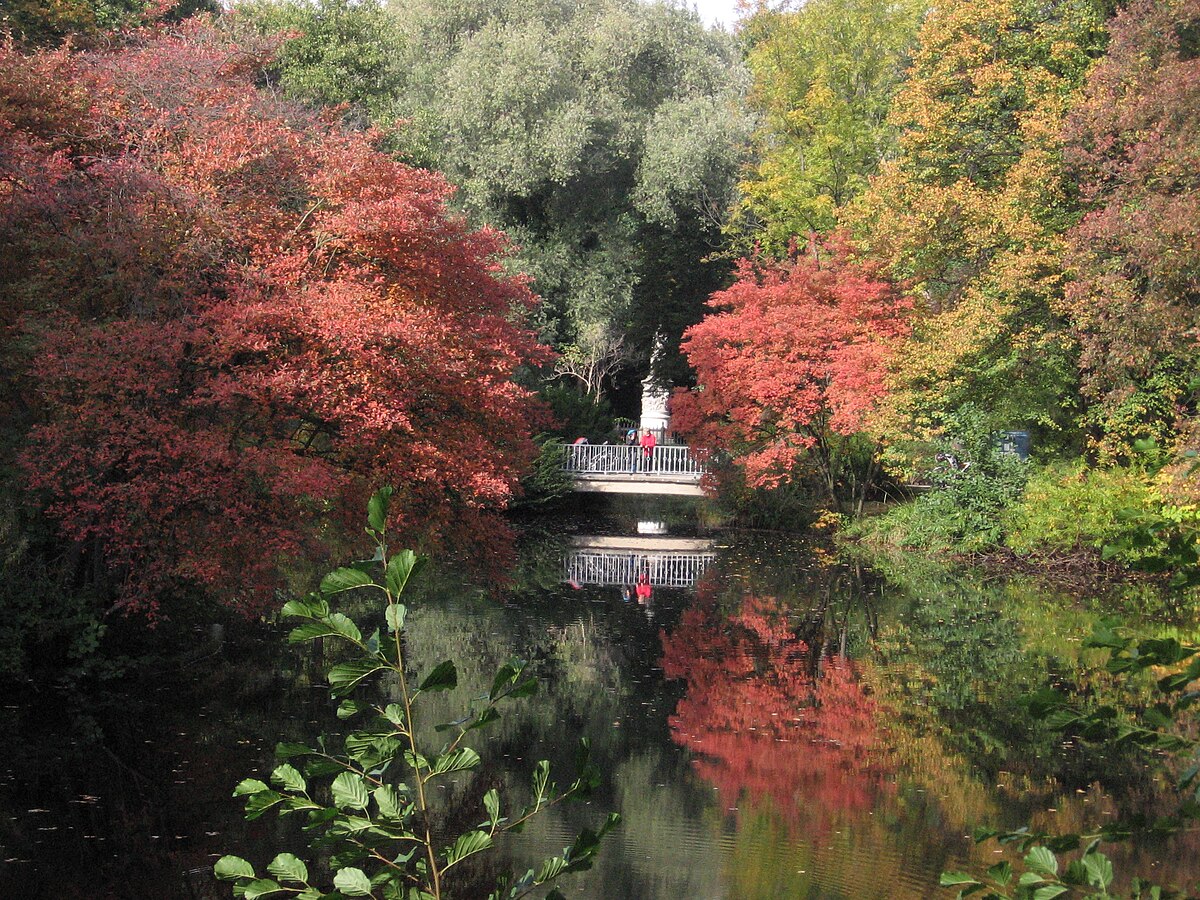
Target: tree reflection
<point x="771" y="715"/>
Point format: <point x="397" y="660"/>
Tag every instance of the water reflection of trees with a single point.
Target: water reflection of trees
<point x="773" y="712"/>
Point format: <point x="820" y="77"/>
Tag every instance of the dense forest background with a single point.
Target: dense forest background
<point x="255" y="261"/>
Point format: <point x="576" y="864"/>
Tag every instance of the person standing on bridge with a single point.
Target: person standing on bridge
<point x="648" y="443"/>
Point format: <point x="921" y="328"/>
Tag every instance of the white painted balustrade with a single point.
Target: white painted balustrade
<point x="618" y="459"/>
<point x="680" y="570"/>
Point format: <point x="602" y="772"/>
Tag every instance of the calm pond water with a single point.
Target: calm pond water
<point x="771" y="723"/>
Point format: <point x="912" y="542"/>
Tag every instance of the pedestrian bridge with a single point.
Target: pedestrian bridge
<point x="625" y="469"/>
<point x="669" y="561"/>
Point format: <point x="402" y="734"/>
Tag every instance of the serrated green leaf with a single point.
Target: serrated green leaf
<point x="400" y="568"/>
<point x="349" y="791"/>
<point x="249" y="786"/>
<point x="505" y="675"/>
<point x="260" y="887"/>
<point x="541" y="774"/>
<point x="486" y="717"/>
<point x="1001" y="873"/>
<point x="1050" y="891"/>
<point x="352" y="882"/>
<point x="309" y="631"/>
<point x="287" y="867"/>
<point x="259" y="803"/>
<point x="394" y="713"/>
<point x="345" y="677"/>
<point x="377" y="508"/>
<point x="388" y="801"/>
<point x="344" y="626"/>
<point x="442" y="678"/>
<point x="1099" y="869"/>
<point x="287" y="749"/>
<point x="344" y="579"/>
<point x="491" y="803"/>
<point x="395" y="615"/>
<point x="288" y="777"/>
<point x="348" y="709"/>
<point x="229" y="868"/>
<point x="955" y="879"/>
<point x="551" y="868"/>
<point x="1042" y="860"/>
<point x="471" y="842"/>
<point x="456" y="761"/>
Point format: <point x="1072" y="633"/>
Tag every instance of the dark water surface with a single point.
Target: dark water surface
<point x="771" y="723"/>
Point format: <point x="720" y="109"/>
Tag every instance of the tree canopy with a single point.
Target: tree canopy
<point x="228" y="316"/>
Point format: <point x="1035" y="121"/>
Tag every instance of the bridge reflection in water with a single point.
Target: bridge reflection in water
<point x="669" y="561"/>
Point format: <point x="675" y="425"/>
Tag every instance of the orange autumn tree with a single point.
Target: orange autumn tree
<point x="768" y="719"/>
<point x="790" y="363"/>
<point x="228" y="319"/>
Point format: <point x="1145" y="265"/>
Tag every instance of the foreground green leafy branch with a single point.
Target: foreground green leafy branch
<point x="1090" y="874"/>
<point x="380" y="832"/>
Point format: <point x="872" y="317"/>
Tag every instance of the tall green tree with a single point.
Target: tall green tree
<point x="823" y="80"/>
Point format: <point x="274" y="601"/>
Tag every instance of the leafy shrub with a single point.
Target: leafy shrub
<point x="1069" y="508"/>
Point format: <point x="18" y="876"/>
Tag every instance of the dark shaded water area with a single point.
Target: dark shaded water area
<point x="773" y="721"/>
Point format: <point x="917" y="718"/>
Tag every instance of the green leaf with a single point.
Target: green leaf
<point x="344" y="579"/>
<point x="249" y="786"/>
<point x="348" y="709"/>
<point x="352" y="882"/>
<point x="400" y="568"/>
<point x="288" y="777"/>
<point x="387" y="799"/>
<point x="309" y="631"/>
<point x="395" y="616"/>
<point x="471" y="842"/>
<point x="345" y="626"/>
<point x="1099" y="869"/>
<point x="1042" y="860"/>
<point x="345" y="677"/>
<point x="394" y="713"/>
<point x="1001" y="873"/>
<point x="229" y="868"/>
<point x="1050" y="891"/>
<point x="491" y="803"/>
<point x="442" y="678"/>
<point x="287" y="867"/>
<point x="505" y="676"/>
<point x="377" y="508"/>
<point x="286" y="750"/>
<point x="541" y="774"/>
<point x="551" y="868"/>
<point x="486" y="717"/>
<point x="955" y="879"/>
<point x="260" y="887"/>
<point x="259" y="803"/>
<point x="462" y="758"/>
<point x="313" y="607"/>
<point x="350" y="791"/>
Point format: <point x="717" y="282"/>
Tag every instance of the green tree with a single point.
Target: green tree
<point x="604" y="138"/>
<point x="824" y="77"/>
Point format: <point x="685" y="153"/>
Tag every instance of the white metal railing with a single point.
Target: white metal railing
<point x="665" y="569"/>
<point x="616" y="459"/>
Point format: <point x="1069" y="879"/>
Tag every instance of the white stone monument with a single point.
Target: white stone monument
<point x="655" y="397"/>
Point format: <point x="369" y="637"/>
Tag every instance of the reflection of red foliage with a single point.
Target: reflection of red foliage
<point x="761" y="726"/>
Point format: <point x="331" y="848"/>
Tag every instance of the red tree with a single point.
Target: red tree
<point x="232" y="318"/>
<point x="1134" y="144"/>
<point x="795" y="353"/>
<point x="765" y="719"/>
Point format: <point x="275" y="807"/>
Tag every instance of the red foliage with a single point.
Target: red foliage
<point x="765" y="719"/>
<point x="236" y="317"/>
<point x="1134" y="144"/>
<point x="795" y="348"/>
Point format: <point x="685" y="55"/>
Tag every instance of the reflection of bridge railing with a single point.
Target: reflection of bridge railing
<point x="679" y="566"/>
<point x="623" y="459"/>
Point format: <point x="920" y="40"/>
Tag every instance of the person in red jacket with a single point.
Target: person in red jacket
<point x="648" y="443"/>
